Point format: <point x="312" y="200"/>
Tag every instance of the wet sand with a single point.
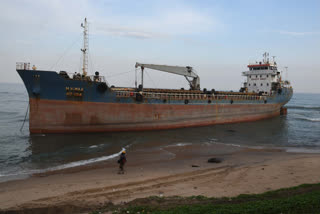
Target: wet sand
<point x="168" y="171"/>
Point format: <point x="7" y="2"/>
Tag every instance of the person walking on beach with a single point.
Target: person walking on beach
<point x="122" y="160"/>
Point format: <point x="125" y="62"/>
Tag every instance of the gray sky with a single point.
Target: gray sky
<point x="218" y="38"/>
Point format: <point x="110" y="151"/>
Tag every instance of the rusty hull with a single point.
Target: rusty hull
<point x="53" y="116"/>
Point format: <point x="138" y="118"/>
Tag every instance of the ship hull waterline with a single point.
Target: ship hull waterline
<point x="57" y="116"/>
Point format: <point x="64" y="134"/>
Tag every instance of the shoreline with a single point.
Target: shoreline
<point x="98" y="162"/>
<point x="167" y="171"/>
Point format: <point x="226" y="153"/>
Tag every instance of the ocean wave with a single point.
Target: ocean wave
<point x="302" y="150"/>
<point x="19" y="174"/>
<point x="309" y="119"/>
<point x="83" y="162"/>
<point x="178" y="144"/>
<point x="96" y="146"/>
<point x="225" y="144"/>
<point x="304" y="107"/>
<point x="8" y="113"/>
<point x="86" y="162"/>
<point x="64" y="166"/>
<point x="10" y="92"/>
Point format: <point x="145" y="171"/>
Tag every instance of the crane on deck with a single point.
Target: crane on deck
<point x="186" y="71"/>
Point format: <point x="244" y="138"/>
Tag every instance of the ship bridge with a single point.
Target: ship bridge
<point x="262" y="76"/>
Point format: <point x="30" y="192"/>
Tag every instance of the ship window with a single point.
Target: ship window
<point x="260" y="75"/>
<point x="267" y="84"/>
<point x="250" y="76"/>
<point x="261" y="84"/>
<point x="267" y="75"/>
<point x="254" y="84"/>
<point x="256" y="76"/>
<point x="249" y="84"/>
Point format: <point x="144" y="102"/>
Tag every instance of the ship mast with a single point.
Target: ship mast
<point x="85" y="48"/>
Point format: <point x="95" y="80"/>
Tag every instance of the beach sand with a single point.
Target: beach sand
<point x="181" y="170"/>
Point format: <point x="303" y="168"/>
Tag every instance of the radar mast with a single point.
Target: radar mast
<point x="85" y="48"/>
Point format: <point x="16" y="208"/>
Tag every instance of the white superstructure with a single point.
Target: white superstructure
<point x="262" y="77"/>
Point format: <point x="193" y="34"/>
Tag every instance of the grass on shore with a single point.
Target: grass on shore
<point x="301" y="199"/>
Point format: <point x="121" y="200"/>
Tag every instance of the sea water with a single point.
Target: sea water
<point x="22" y="154"/>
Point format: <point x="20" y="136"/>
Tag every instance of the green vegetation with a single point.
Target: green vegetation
<point x="306" y="203"/>
<point x="301" y="199"/>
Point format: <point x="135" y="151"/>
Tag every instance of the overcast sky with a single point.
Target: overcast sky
<point x="218" y="38"/>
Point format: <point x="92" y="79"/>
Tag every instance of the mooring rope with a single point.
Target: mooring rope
<point x="25" y="117"/>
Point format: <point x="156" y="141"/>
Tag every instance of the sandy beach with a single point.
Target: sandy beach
<point x="181" y="170"/>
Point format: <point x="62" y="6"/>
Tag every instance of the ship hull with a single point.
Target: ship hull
<point x="64" y="105"/>
<point x="49" y="116"/>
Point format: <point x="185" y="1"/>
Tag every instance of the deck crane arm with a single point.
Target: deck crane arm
<point x="179" y="70"/>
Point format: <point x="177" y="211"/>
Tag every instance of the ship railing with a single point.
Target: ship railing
<point x="259" y="72"/>
<point x="179" y="96"/>
<point x="90" y="78"/>
<point x="22" y="65"/>
<point x="286" y="83"/>
<point x="96" y="78"/>
<point x="78" y="76"/>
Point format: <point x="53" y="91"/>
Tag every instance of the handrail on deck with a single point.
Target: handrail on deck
<point x="179" y="96"/>
<point x="22" y="65"/>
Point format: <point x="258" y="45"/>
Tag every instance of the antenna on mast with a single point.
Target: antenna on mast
<point x="265" y="57"/>
<point x="85" y="48"/>
<point x="286" y="74"/>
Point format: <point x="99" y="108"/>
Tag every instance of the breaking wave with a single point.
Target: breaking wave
<point x="83" y="162"/>
<point x="63" y="166"/>
<point x="309" y="119"/>
<point x="178" y="144"/>
<point x="304" y="107"/>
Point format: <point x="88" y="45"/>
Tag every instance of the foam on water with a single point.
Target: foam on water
<point x="178" y="145"/>
<point x="63" y="166"/>
<point x="84" y="162"/>
<point x="226" y="144"/>
<point x="303" y="107"/>
<point x="309" y="119"/>
<point x="303" y="150"/>
<point x="314" y="119"/>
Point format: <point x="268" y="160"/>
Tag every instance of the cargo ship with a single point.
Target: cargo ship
<point x="60" y="102"/>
